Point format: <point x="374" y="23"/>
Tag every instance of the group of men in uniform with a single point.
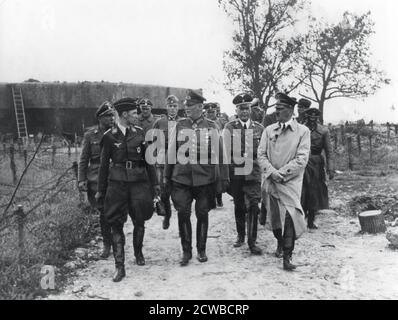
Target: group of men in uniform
<point x="272" y="160"/>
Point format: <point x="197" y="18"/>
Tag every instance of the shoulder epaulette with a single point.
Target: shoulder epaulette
<point x="138" y="127"/>
<point x="107" y="131"/>
<point x="258" y="123"/>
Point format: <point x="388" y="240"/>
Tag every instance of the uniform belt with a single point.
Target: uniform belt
<point x="129" y="164"/>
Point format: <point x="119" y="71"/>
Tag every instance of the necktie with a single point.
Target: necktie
<point x="245" y="127"/>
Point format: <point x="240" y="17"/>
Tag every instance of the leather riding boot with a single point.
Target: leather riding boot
<point x="289" y="237"/>
<point x="240" y="240"/>
<point x="118" y="241"/>
<point x="167" y="207"/>
<point x="311" y="219"/>
<point x="138" y="239"/>
<point x="186" y="242"/>
<point x="106" y="236"/>
<point x="252" y="230"/>
<point x="287" y="261"/>
<point x="279" y="250"/>
<point x="201" y="238"/>
<point x="263" y="215"/>
<point x="220" y="204"/>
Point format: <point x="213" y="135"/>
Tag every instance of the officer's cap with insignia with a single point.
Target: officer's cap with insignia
<point x="105" y="109"/>
<point x="312" y="112"/>
<point x="211" y="106"/>
<point x="304" y="103"/>
<point x="285" y="100"/>
<point x="145" y="103"/>
<point x="193" y="98"/>
<point x="172" y="100"/>
<point x="242" y="100"/>
<point x="126" y="104"/>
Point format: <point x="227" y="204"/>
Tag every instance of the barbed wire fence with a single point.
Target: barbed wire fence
<point x="42" y="214"/>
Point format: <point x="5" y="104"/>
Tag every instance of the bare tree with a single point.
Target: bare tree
<point x="336" y="60"/>
<point x="264" y="56"/>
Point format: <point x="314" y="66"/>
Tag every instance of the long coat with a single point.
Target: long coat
<point x="286" y="152"/>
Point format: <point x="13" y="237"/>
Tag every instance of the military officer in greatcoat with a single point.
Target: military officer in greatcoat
<point x="302" y="106"/>
<point x="165" y="124"/>
<point x="244" y="183"/>
<point x="89" y="165"/>
<point x="146" y="119"/>
<point x="211" y="111"/>
<point x="194" y="173"/>
<point x="315" y="191"/>
<point x="127" y="182"/>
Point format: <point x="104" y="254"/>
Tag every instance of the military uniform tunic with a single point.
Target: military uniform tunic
<point x="248" y="184"/>
<point x="194" y="180"/>
<point x="126" y="177"/>
<point x="315" y="191"/>
<point x="90" y="161"/>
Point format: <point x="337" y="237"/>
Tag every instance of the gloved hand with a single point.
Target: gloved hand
<point x="156" y="190"/>
<point x="82" y="186"/>
<point x="277" y="177"/>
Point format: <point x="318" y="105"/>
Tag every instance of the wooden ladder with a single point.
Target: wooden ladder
<point x="20" y="113"/>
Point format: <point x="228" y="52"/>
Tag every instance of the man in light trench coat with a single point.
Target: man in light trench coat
<point x="283" y="155"/>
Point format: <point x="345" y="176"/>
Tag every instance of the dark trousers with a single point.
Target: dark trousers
<point x="251" y="190"/>
<point x="164" y="192"/>
<point x="183" y="196"/>
<point x="122" y="199"/>
<point x="99" y="205"/>
<point x="287" y="239"/>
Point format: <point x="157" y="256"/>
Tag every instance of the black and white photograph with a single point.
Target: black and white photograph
<point x="219" y="152"/>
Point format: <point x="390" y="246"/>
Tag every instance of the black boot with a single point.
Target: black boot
<point x="279" y="249"/>
<point x="186" y="241"/>
<point x="167" y="207"/>
<point x="287" y="261"/>
<point x="220" y="204"/>
<point x="118" y="241"/>
<point x="201" y="238"/>
<point x="166" y="223"/>
<point x="279" y="237"/>
<point x="138" y="239"/>
<point x="311" y="219"/>
<point x="106" y="236"/>
<point x="240" y="240"/>
<point x="252" y="230"/>
<point x="263" y="215"/>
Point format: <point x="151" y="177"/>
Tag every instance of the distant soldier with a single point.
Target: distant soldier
<point x="146" y="119"/>
<point x="283" y="155"/>
<point x="192" y="180"/>
<point x="89" y="166"/>
<point x="211" y="111"/>
<point x="127" y="181"/>
<point x="257" y="113"/>
<point x="315" y="191"/>
<point x="165" y="124"/>
<point x="248" y="184"/>
<point x="302" y="106"/>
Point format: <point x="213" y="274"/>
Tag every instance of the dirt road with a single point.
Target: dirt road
<point x="335" y="262"/>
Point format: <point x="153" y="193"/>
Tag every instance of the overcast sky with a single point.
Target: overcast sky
<point x="171" y="43"/>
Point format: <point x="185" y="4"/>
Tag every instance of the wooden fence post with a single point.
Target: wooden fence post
<point x="21" y="232"/>
<point x="388" y="132"/>
<point x="342" y="130"/>
<point x="349" y="150"/>
<point x="12" y="164"/>
<point x="370" y="147"/>
<point x="359" y="143"/>
<point x="54" y="151"/>
<point x="396" y="128"/>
